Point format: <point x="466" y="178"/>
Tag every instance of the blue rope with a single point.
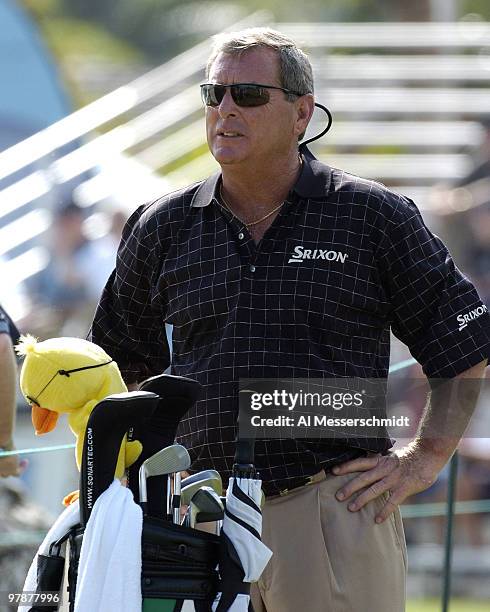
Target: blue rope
<point x="43" y="449"/>
<point x="403" y="364"/>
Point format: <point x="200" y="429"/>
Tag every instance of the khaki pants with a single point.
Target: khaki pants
<point x="328" y="559"/>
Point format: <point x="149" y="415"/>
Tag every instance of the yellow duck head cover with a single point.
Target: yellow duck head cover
<point x="63" y="375"/>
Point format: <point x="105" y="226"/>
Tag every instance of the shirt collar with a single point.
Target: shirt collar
<point x="313" y="182"/>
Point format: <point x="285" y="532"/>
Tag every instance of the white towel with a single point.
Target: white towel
<point x="67" y="519"/>
<point x="109" y="570"/>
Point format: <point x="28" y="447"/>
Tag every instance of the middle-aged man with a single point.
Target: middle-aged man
<point x="214" y="260"/>
<point x="9" y="335"/>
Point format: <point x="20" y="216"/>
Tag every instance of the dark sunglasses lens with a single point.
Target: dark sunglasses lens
<point x="249" y="95"/>
<point x="212" y="94"/>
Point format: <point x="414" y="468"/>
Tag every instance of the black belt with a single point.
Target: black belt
<point x="274" y="488"/>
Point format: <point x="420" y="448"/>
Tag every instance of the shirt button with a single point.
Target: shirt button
<point x="241" y="236"/>
<point x="252" y="268"/>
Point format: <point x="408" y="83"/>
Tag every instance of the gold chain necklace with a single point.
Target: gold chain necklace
<point x="252" y="223"/>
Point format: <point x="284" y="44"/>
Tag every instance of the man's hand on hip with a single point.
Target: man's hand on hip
<point x="401" y="473"/>
<point x="415" y="467"/>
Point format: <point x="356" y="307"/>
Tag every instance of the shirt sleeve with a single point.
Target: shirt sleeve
<point x="128" y="324"/>
<point x="435" y="309"/>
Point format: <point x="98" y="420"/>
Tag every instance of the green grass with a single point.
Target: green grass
<point x="457" y="605"/>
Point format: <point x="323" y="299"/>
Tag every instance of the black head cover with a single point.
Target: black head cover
<point x="177" y="395"/>
<point x="106" y="427"/>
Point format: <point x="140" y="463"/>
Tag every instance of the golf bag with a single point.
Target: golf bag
<point x="178" y="563"/>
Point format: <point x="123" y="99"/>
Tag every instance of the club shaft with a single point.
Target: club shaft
<point x="176" y="499"/>
<point x="142" y="485"/>
<point x="169" y="498"/>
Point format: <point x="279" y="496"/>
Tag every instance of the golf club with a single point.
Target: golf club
<point x="176" y="498"/>
<point x="177" y="395"/>
<point x="191" y="484"/>
<point x="166" y="461"/>
<point x="205" y="506"/>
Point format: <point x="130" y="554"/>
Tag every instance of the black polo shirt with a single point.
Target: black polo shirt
<point x="345" y="260"/>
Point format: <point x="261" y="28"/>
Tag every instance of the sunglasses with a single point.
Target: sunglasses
<point x="35" y="400"/>
<point x="243" y="94"/>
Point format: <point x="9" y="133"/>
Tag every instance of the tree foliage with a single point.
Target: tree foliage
<point x="162" y="28"/>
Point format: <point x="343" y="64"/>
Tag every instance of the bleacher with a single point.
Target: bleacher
<point x="407" y="100"/>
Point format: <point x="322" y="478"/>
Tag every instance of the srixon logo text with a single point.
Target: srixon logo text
<point x="464" y="319"/>
<point x="300" y="254"/>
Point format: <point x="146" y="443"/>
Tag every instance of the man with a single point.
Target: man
<point x="9" y="465"/>
<point x="213" y="259"/>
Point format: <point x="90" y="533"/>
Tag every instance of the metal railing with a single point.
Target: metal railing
<point x="389" y="35"/>
<point x="113" y="105"/>
<point x="172" y="130"/>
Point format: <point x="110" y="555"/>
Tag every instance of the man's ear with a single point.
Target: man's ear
<point x="305" y="105"/>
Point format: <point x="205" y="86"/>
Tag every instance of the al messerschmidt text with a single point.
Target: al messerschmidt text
<point x="324" y="421"/>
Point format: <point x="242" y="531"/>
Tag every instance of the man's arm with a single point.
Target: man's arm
<point x="9" y="466"/>
<point x="126" y="324"/>
<point x="415" y="467"/>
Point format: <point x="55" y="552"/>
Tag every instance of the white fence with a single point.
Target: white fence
<point x="419" y="89"/>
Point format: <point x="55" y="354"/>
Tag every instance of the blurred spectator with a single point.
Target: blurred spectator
<point x="481" y="159"/>
<point x="474" y="480"/>
<point x="99" y="257"/>
<point x="465" y="223"/>
<point x="60" y="285"/>
<point x="479" y="246"/>
<point x="67" y="290"/>
<point x="476" y="186"/>
<point x="13" y="294"/>
<point x="9" y="466"/>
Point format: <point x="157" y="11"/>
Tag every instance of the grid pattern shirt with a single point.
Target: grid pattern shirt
<point x="344" y="261"/>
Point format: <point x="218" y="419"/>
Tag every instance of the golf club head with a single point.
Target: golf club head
<point x="206" y="478"/>
<point x="210" y="517"/>
<point x="205" y="503"/>
<point x="174" y="458"/>
<point x="199" y="475"/>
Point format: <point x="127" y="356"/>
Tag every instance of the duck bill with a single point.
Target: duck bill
<point x="44" y="420"/>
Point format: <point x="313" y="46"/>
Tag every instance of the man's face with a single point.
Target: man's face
<point x="256" y="134"/>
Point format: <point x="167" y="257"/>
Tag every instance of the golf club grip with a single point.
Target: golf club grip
<point x="245" y="451"/>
